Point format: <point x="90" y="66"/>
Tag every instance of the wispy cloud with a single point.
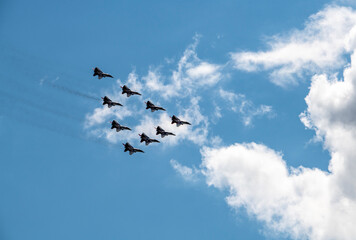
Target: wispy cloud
<point x="191" y="74"/>
<point x="246" y="108"/>
<point x="187" y="173"/>
<point x="320" y="46"/>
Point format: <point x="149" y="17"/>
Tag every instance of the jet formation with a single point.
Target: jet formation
<point x="149" y="105"/>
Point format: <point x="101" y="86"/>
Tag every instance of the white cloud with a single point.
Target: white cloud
<point x="304" y="203"/>
<point x="191" y="74"/>
<point x="187" y="173"/>
<point x="332" y="113"/>
<point x="154" y="83"/>
<point x="217" y="113"/>
<point x="216" y="141"/>
<point x="318" y="47"/>
<point x="205" y="73"/>
<point x="134" y="83"/>
<point x="246" y="108"/>
<point x="102" y="114"/>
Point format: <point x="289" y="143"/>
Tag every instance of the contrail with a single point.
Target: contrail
<point x="10" y="98"/>
<point x="25" y="116"/>
<point x="56" y="86"/>
<point x="71" y="91"/>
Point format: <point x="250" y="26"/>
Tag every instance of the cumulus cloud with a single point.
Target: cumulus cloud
<point x="246" y="108"/>
<point x="331" y="113"/>
<point x="321" y="45"/>
<point x="302" y="202"/>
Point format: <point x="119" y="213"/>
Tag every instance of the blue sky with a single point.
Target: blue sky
<point x="267" y="87"/>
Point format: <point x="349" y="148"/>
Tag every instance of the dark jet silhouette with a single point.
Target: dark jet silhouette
<point x="131" y="149"/>
<point x="163" y="133"/>
<point x="110" y="103"/>
<point x="100" y="74"/>
<point x="153" y="107"/>
<point x="128" y="91"/>
<point x="118" y="127"/>
<point x="178" y="122"/>
<point x="146" y="139"/>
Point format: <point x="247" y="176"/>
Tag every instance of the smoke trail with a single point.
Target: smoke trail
<point x="24" y="117"/>
<point x="71" y="91"/>
<point x="37" y="66"/>
<point x="10" y="98"/>
<point x="18" y="89"/>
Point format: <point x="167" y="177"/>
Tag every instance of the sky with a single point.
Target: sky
<point x="268" y="86"/>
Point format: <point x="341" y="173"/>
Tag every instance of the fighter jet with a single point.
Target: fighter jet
<point x="110" y="103"/>
<point x="163" y="133"/>
<point x="153" y="107"/>
<point x="118" y="127"/>
<point x="145" y="138"/>
<point x="128" y="91"/>
<point x="100" y="74"/>
<point x="131" y="149"/>
<point x="178" y="122"/>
